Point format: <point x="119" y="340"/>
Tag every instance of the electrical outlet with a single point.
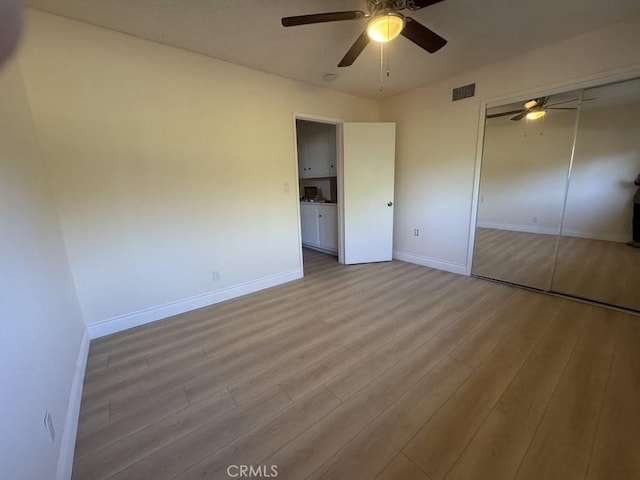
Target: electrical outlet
<point x="286" y="188"/>
<point x="216" y="275"/>
<point x="416" y="232"/>
<point x="481" y="198"/>
<point x="535" y="219"/>
<point x="48" y="426"/>
<point x="626" y="226"/>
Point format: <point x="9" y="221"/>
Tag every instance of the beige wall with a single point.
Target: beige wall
<point x="437" y="139"/>
<point x="167" y="165"/>
<point x="40" y="323"/>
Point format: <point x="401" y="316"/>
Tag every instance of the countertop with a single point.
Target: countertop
<point x="319" y="203"/>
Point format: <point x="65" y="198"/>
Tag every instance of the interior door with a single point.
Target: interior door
<point x="368" y="176"/>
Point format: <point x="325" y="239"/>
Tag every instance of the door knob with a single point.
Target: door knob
<point x="389" y="204"/>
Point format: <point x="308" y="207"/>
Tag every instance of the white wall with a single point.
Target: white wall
<point x="167" y="165"/>
<point x="437" y="139"/>
<point x="40" y="322"/>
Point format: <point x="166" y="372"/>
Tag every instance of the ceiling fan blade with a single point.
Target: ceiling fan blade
<point x="422" y="36"/>
<point x="564" y="101"/>
<point x="355" y="50"/>
<point x="504" y="114"/>
<point x="560" y="108"/>
<point x="520" y="116"/>
<point x="322" y="17"/>
<point x="569" y="101"/>
<point x="418" y="4"/>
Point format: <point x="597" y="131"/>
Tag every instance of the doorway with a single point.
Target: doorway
<point x="346" y="187"/>
<point x="317" y="153"/>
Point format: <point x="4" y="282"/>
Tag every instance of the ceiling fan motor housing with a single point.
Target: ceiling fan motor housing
<point x="383" y="6"/>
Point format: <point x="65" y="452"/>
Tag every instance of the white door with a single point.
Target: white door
<point x="367" y="184"/>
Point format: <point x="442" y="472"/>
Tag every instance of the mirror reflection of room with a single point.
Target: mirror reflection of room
<point x="523" y="179"/>
<point x="559" y="203"/>
<point x="596" y="259"/>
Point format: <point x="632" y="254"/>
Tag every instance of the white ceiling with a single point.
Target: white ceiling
<point x="248" y="32"/>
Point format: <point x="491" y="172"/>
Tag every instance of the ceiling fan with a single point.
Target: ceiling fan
<point x="536" y="108"/>
<point x="385" y="23"/>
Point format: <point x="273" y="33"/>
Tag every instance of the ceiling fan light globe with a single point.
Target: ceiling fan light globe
<point x="536" y="114"/>
<point x="385" y="27"/>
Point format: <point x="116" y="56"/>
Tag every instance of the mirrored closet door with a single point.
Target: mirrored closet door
<point x="523" y="180"/>
<point x="555" y="206"/>
<point x="594" y="260"/>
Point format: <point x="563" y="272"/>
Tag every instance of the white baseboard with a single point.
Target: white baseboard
<point x="514" y="227"/>
<point x="609" y="237"/>
<point x="68" y="439"/>
<point x="142" y="317"/>
<point x="452" y="267"/>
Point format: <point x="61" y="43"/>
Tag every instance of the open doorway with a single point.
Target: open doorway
<point x="349" y="167"/>
<point x="317" y="151"/>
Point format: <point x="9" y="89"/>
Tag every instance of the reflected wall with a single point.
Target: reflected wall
<point x="523" y="181"/>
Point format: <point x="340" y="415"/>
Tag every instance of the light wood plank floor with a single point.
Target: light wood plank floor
<point x="380" y="371"/>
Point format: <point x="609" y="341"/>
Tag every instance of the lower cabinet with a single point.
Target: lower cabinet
<point x="319" y="223"/>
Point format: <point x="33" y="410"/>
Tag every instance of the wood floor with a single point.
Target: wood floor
<point x="385" y="371"/>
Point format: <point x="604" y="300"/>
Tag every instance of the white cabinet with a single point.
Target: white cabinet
<point x="328" y="227"/>
<point x="309" y="224"/>
<point x="319" y="223"/>
<point x="316" y="149"/>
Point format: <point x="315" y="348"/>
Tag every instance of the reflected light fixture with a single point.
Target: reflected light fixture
<point x="536" y="114"/>
<point x="385" y="27"/>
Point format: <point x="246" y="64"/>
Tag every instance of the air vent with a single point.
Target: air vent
<point x="465" y="91"/>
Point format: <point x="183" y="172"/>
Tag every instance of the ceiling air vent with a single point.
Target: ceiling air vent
<point x="465" y="91"/>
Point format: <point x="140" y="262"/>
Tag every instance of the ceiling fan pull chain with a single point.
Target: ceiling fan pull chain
<point x="381" y="67"/>
<point x="388" y="61"/>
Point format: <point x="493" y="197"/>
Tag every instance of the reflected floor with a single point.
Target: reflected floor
<point x="516" y="257"/>
<point x="600" y="270"/>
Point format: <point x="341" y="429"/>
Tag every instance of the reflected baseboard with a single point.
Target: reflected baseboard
<point x="516" y="227"/>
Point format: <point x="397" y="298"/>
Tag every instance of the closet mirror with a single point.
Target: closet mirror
<point x="525" y="163"/>
<point x="556" y="196"/>
<point x="594" y="260"/>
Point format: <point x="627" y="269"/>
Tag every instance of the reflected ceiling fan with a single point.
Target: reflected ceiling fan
<point x="535" y="109"/>
<point x="385" y="23"/>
